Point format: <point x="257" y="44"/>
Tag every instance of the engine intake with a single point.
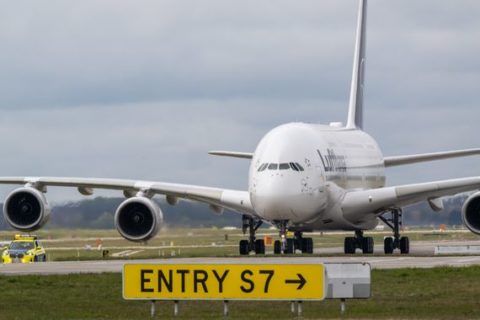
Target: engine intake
<point x="471" y="213"/>
<point x="138" y="219"/>
<point x="26" y="209"/>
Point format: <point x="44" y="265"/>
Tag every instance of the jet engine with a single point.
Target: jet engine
<point x="26" y="209"/>
<point x="471" y="213"/>
<point x="138" y="219"/>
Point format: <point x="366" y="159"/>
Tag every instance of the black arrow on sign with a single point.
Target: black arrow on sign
<point x="301" y="281"/>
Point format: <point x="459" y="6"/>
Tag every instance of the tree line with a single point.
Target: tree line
<point x="98" y="213"/>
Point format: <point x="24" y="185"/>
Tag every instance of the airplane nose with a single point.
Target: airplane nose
<point x="274" y="199"/>
<point x="275" y="188"/>
<point x="271" y="208"/>
<point x="287" y="198"/>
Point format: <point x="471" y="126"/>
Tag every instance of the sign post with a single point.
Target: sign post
<point x="278" y="282"/>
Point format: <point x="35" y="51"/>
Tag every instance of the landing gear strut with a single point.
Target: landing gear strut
<point x="289" y="245"/>
<point x="283" y="245"/>
<point x="252" y="244"/>
<point x="360" y="242"/>
<point x="396" y="242"/>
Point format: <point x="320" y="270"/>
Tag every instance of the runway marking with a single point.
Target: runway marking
<point x="126" y="253"/>
<point x="118" y="254"/>
<point x="468" y="260"/>
<point x="388" y="260"/>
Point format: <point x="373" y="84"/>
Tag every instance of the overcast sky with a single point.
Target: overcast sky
<point x="143" y="89"/>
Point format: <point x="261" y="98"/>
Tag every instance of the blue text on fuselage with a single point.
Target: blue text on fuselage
<point x="333" y="162"/>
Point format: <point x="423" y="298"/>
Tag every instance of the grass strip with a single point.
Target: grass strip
<point x="438" y="293"/>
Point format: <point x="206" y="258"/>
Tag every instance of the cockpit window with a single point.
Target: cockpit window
<point x="273" y="166"/>
<point x="262" y="167"/>
<point x="284" y="166"/>
<point x="295" y="166"/>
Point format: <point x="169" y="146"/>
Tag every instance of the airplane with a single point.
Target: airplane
<point x="303" y="177"/>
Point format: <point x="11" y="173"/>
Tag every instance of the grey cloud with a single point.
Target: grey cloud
<point x="69" y="54"/>
<point x="165" y="141"/>
<point x="121" y="51"/>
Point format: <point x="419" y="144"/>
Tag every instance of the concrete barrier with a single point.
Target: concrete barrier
<point x="473" y="249"/>
<point x="348" y="280"/>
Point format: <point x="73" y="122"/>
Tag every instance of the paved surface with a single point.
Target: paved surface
<point x="421" y="257"/>
<point x="382" y="262"/>
<point x="417" y="248"/>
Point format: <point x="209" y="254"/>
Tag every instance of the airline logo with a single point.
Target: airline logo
<point x="333" y="162"/>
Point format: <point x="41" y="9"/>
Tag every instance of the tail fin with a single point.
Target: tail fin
<point x="355" y="107"/>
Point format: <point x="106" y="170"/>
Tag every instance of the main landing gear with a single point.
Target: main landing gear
<point x="358" y="242"/>
<point x="252" y="244"/>
<point x="289" y="245"/>
<point x="395" y="242"/>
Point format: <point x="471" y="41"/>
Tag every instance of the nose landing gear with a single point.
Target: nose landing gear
<point x="285" y="245"/>
<point x="252" y="244"/>
<point x="289" y="245"/>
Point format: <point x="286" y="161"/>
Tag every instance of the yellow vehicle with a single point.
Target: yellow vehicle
<point x="24" y="249"/>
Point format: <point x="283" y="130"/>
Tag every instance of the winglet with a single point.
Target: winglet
<point x="355" y="107"/>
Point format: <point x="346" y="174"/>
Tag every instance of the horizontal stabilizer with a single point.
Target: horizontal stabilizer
<point x="425" y="157"/>
<point x="233" y="154"/>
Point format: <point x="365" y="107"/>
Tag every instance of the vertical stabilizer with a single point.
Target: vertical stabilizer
<point x="355" y="107"/>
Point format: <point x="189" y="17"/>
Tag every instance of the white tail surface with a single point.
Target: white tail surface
<point x="355" y="107"/>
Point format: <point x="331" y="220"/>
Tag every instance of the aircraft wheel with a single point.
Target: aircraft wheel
<point x="367" y="245"/>
<point x="259" y="246"/>
<point x="404" y="245"/>
<point x="277" y="247"/>
<point x="290" y="246"/>
<point x="243" y="247"/>
<point x="307" y="245"/>
<point x="349" y="245"/>
<point x="388" y="245"/>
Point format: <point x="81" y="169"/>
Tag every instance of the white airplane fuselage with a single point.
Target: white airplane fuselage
<point x="300" y="173"/>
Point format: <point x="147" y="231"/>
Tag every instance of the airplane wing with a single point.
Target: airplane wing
<point x="388" y="161"/>
<point x="377" y="201"/>
<point x="409" y="159"/>
<point x="235" y="200"/>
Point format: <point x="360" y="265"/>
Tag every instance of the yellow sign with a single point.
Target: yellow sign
<point x="224" y="281"/>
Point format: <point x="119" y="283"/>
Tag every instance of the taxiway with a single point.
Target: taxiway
<point x="377" y="262"/>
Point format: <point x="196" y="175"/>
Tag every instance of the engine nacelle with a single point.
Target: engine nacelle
<point x="471" y="213"/>
<point x="26" y="209"/>
<point x="138" y="219"/>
